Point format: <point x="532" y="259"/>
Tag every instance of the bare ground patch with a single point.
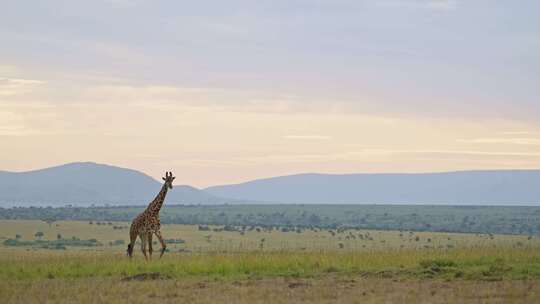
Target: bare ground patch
<point x="146" y="276"/>
<point x="325" y="289"/>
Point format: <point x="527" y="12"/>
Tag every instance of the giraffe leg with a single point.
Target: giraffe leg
<point x="149" y="236"/>
<point x="163" y="246"/>
<point x="143" y="245"/>
<point x="132" y="239"/>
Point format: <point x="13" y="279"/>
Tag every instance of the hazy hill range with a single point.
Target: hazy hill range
<point x="89" y="183"/>
<point x="459" y="188"/>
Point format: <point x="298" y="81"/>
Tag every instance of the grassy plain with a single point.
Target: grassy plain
<point x="328" y="289"/>
<point x="234" y="241"/>
<point x="310" y="266"/>
<point x="467" y="219"/>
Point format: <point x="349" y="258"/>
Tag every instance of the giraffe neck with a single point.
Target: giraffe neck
<point x="156" y="204"/>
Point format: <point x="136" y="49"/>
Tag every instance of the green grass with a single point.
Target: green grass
<point x="322" y="266"/>
<point x="223" y="255"/>
<point x="472" y="263"/>
<point x="227" y="241"/>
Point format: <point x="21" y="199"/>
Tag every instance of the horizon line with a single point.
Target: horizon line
<point x="275" y="176"/>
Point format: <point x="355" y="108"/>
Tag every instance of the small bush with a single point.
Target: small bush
<point x="437" y="263"/>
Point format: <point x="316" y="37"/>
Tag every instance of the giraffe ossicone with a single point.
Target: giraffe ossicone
<point x="146" y="224"/>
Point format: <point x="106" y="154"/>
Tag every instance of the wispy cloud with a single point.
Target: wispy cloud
<point x="308" y="137"/>
<point x="166" y="97"/>
<point x="378" y="155"/>
<point x="454" y="152"/>
<point x="515" y="141"/>
<point x="17" y="86"/>
<point x="516" y="133"/>
<point x="12" y="124"/>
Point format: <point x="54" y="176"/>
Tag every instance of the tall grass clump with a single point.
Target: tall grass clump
<point x="473" y="263"/>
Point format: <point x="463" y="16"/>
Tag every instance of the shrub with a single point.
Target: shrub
<point x="439" y="263"/>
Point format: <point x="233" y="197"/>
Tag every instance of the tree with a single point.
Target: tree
<point x="49" y="221"/>
<point x="39" y="235"/>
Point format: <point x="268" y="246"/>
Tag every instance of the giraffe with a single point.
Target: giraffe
<point x="147" y="223"/>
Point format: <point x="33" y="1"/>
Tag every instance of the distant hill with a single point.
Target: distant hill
<point x="457" y="188"/>
<point x="88" y="183"/>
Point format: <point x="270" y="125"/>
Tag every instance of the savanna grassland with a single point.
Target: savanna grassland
<point x="84" y="261"/>
<point x="468" y="219"/>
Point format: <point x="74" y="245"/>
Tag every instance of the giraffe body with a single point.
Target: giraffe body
<point x="146" y="224"/>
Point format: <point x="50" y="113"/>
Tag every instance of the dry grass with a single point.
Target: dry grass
<point x="327" y="289"/>
<point x="391" y="267"/>
<point x="204" y="241"/>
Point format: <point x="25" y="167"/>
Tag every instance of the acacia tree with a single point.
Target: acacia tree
<point x="49" y="221"/>
<point x="39" y="235"/>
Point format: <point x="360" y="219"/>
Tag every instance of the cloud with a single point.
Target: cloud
<point x="10" y="124"/>
<point x="13" y="124"/>
<point x="8" y="69"/>
<point x="372" y="155"/>
<point x="515" y="141"/>
<point x="166" y="97"/>
<point x="17" y="86"/>
<point x="516" y="133"/>
<point x="308" y="137"/>
<point x="455" y="152"/>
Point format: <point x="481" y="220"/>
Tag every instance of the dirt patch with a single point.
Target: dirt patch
<point x="317" y="290"/>
<point x="298" y="284"/>
<point x="146" y="277"/>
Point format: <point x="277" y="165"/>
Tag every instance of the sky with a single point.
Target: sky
<point x="223" y="92"/>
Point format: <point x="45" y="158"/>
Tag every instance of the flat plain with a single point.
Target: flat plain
<point x="69" y="260"/>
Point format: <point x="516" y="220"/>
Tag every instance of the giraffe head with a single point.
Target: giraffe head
<point x="168" y="179"/>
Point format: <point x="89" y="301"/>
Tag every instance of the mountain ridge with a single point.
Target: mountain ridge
<point x="84" y="183"/>
<point x="454" y="187"/>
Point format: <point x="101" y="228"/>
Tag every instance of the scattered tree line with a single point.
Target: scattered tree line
<point x="466" y="219"/>
<point x="59" y="244"/>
